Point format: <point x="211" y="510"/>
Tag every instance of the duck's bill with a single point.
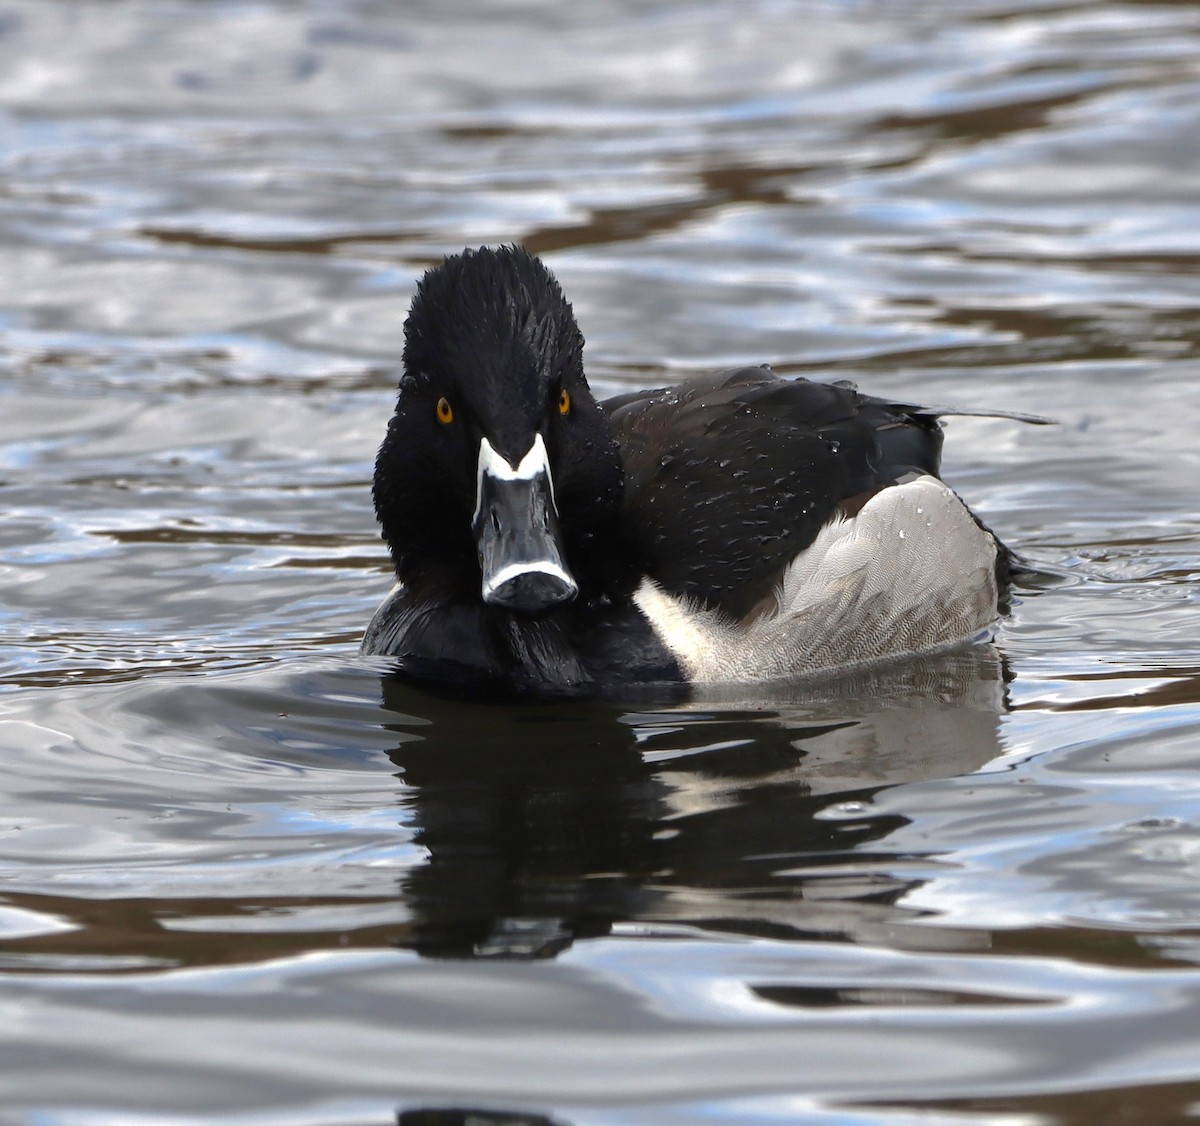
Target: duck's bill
<point x="516" y="530"/>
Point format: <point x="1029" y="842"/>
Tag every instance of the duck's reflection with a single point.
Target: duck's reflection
<point x="549" y="823"/>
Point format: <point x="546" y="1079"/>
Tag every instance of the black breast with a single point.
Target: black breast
<point x="729" y="477"/>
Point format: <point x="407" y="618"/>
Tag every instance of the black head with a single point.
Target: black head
<point x="499" y="473"/>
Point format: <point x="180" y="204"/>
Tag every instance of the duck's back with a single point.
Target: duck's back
<point x="730" y="477"/>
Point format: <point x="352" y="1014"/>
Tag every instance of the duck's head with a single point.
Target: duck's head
<point x="499" y="478"/>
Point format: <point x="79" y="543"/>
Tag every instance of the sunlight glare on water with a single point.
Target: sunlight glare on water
<point x="246" y="876"/>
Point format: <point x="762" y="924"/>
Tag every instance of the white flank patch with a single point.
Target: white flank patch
<point x="911" y="573"/>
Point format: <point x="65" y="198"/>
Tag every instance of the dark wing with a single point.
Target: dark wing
<point x="729" y="477"/>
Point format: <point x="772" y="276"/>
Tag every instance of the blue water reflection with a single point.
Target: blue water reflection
<point x="247" y="876"/>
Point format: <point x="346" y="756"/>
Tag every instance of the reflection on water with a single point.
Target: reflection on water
<point x="515" y="829"/>
<point x="548" y="824"/>
<point x="246" y="876"/>
<point x="473" y="1117"/>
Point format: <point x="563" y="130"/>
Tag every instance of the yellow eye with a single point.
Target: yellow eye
<point x="564" y="401"/>
<point x="445" y="411"/>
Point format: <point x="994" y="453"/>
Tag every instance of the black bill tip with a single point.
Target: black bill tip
<point x="530" y="590"/>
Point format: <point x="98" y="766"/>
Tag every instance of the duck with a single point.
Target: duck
<point x="738" y="528"/>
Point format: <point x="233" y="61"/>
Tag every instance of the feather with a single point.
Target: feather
<point x="911" y="573"/>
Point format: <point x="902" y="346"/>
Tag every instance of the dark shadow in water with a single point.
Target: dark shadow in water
<point x="1151" y="1103"/>
<point x="549" y="823"/>
<point x="458" y="1116"/>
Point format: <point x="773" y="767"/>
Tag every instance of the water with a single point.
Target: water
<point x="245" y="878"/>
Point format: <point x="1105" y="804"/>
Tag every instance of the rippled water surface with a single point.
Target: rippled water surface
<point x="246" y="878"/>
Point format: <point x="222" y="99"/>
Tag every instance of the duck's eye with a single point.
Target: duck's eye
<point x="564" y="401"/>
<point x="445" y="412"/>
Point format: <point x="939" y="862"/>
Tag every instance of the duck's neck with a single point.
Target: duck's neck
<point x="440" y="636"/>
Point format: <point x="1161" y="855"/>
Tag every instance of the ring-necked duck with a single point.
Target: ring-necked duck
<point x="736" y="528"/>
